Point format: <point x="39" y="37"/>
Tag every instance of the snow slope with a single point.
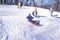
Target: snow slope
<point x="14" y="25"/>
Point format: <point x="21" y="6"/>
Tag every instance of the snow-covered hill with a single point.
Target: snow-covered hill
<point x="14" y="25"/>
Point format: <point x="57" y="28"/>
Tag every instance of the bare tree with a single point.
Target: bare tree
<point x="56" y="4"/>
<point x="3" y="1"/>
<point x="34" y="3"/>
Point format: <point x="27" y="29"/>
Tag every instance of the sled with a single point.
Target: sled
<point x="36" y="23"/>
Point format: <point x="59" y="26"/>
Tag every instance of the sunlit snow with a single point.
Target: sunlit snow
<point x="14" y="25"/>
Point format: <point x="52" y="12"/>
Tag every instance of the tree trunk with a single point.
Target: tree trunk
<point x="56" y="4"/>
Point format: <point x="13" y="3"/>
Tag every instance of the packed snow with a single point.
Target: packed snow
<point x="14" y="25"/>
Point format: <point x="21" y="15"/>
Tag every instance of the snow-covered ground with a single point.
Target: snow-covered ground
<point x="14" y="25"/>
